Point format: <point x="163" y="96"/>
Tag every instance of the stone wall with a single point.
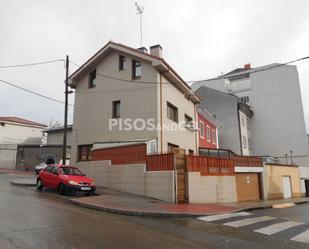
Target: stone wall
<point x="131" y="178"/>
<point x="211" y="189"/>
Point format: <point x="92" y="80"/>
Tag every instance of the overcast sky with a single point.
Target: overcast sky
<point x="200" y="39"/>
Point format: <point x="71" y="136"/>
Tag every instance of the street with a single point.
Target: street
<point x="32" y="219"/>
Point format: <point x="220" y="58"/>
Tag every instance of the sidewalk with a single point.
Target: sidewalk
<point x="130" y="204"/>
<point x="15" y="172"/>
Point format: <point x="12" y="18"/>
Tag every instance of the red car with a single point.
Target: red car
<point x="65" y="179"/>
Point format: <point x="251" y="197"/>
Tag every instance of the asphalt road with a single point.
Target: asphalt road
<point x="32" y="219"/>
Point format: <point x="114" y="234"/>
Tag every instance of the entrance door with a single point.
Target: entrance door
<point x="287" y="188"/>
<point x="248" y="186"/>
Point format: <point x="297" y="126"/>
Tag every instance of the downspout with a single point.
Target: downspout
<point x="239" y="128"/>
<point x="161" y="116"/>
<point x="196" y="132"/>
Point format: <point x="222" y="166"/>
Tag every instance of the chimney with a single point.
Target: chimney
<point x="156" y="50"/>
<point x="247" y="66"/>
<point x="142" y="49"/>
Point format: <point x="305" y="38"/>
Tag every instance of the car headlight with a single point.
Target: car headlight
<point x="73" y="183"/>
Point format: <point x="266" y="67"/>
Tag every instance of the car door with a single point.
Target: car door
<point x="54" y="178"/>
<point x="45" y="176"/>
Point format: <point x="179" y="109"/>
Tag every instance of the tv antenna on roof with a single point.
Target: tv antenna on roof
<point x="140" y="10"/>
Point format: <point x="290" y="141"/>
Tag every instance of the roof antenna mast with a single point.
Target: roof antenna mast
<point x="140" y="10"/>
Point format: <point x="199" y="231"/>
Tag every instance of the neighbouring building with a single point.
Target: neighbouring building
<point x="234" y="116"/>
<point x="15" y="131"/>
<point x="121" y="83"/>
<point x="54" y="135"/>
<point x="208" y="130"/>
<point x="278" y="126"/>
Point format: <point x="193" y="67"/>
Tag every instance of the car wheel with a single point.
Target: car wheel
<point x="39" y="184"/>
<point x="62" y="189"/>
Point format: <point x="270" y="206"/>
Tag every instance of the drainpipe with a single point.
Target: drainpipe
<point x="196" y="132"/>
<point x="161" y="116"/>
<point x="239" y="128"/>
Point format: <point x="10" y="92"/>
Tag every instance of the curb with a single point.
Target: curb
<point x="23" y="184"/>
<point x="157" y="214"/>
<point x="136" y="213"/>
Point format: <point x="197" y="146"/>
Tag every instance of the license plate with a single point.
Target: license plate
<point x="85" y="188"/>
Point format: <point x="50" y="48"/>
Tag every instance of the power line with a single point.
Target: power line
<point x="203" y="80"/>
<point x="33" y="92"/>
<point x="32" y="64"/>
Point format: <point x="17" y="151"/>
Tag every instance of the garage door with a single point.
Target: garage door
<point x="248" y="186"/>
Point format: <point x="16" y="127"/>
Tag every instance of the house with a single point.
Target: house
<point x="14" y="131"/>
<point x="234" y="116"/>
<point x="278" y="125"/>
<point x="125" y="95"/>
<point x="208" y="130"/>
<point x="54" y="135"/>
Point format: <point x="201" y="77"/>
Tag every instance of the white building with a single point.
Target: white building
<point x="278" y="126"/>
<point x="120" y="84"/>
<point x="14" y="131"/>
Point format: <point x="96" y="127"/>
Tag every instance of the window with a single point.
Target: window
<point x="172" y="112"/>
<point x="92" y="78"/>
<point x="84" y="152"/>
<point x="2" y="124"/>
<point x="202" y="131"/>
<point x="208" y="133"/>
<point x="49" y="169"/>
<point x="54" y="171"/>
<point x="188" y="120"/>
<point x="136" y="69"/>
<point x="248" y="123"/>
<point x="116" y="109"/>
<point x="244" y="142"/>
<point x="214" y="137"/>
<point x="122" y="63"/>
<point x="245" y="99"/>
<point x="249" y="144"/>
<point x="171" y="147"/>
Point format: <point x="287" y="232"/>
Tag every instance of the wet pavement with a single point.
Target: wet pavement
<point x="31" y="219"/>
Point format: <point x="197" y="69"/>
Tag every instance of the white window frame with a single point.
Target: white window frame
<point x="202" y="128"/>
<point x="213" y="136"/>
<point x="208" y="133"/>
<point x="244" y="142"/>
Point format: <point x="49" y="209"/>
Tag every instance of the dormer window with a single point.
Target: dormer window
<point x="92" y="78"/>
<point x="136" y="69"/>
<point x="122" y="63"/>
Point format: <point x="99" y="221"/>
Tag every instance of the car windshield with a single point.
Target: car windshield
<point x="70" y="171"/>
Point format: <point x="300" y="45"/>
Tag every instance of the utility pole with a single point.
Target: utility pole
<point x="140" y="10"/>
<point x="66" y="93"/>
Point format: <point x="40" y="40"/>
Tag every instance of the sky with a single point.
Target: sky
<point x="200" y="39"/>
